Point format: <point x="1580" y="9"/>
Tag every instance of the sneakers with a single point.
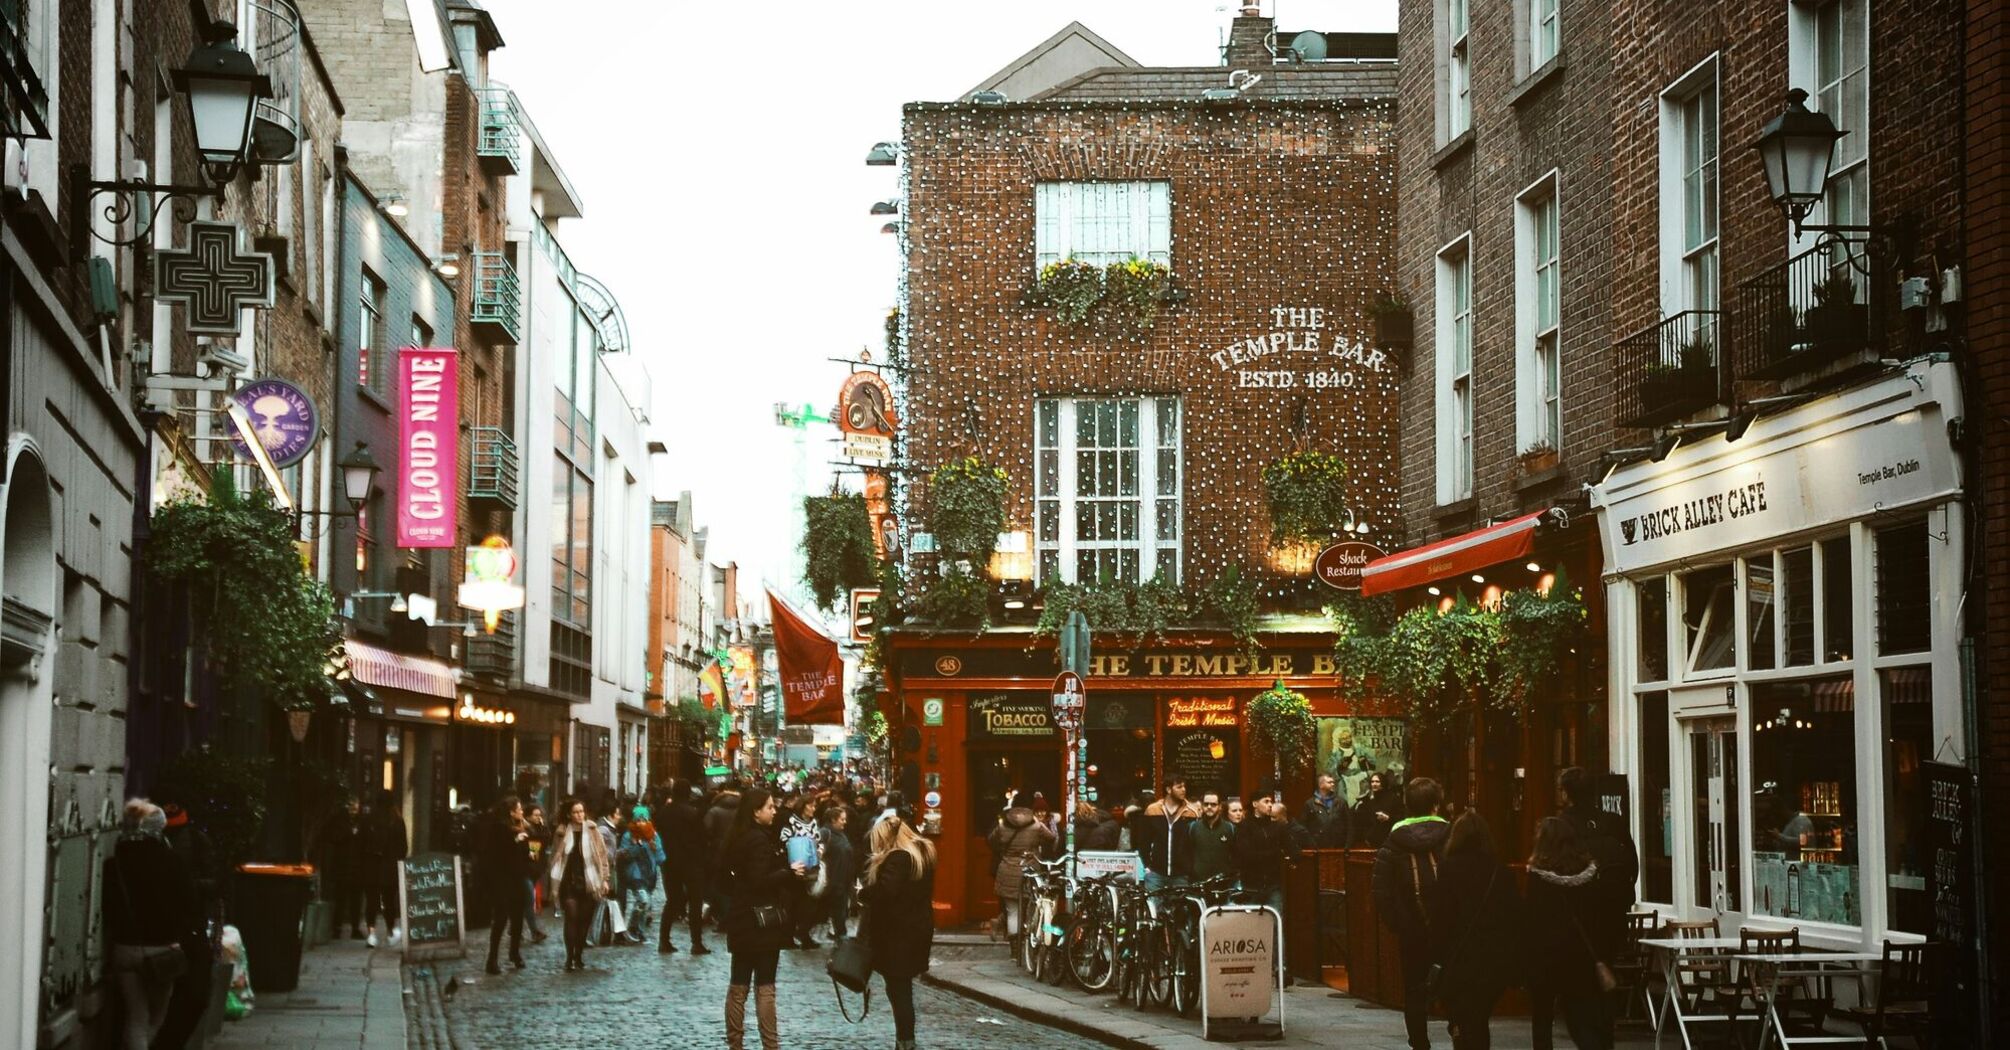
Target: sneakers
<point x="372" y="939"/>
<point x="396" y="933"/>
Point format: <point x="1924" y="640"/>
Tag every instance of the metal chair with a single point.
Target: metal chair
<point x="1904" y="996"/>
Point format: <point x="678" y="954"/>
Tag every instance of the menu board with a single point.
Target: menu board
<point x="429" y="897"/>
<point x="1950" y="885"/>
<point x="1206" y="757"/>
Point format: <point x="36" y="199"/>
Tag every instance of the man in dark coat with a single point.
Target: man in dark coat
<point x="1159" y="836"/>
<point x="1610" y="844"/>
<point x="718" y="827"/>
<point x="502" y="843"/>
<point x="1406" y="869"/>
<point x="1327" y="820"/>
<point x="686" y="846"/>
<point x="1260" y="845"/>
<point x="1094" y="829"/>
<point x="385" y="843"/>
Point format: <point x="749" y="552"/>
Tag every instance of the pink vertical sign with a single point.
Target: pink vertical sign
<point x="428" y="446"/>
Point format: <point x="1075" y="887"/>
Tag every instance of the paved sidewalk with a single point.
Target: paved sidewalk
<point x="1314" y="1016"/>
<point x="350" y="997"/>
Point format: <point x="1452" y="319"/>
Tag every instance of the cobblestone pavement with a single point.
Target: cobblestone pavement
<point x="633" y="997"/>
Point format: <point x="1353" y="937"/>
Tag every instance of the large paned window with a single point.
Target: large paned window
<point x="1108" y="488"/>
<point x="1456" y="69"/>
<point x="1102" y="222"/>
<point x="1653" y="628"/>
<point x="1842" y="92"/>
<point x="1699" y="202"/>
<point x="1455" y="372"/>
<point x="1709" y="619"/>
<point x="1907" y="693"/>
<point x="1804" y="803"/>
<point x="571" y="543"/>
<point x="1544" y="31"/>
<point x="1537" y="317"/>
<point x="574" y="375"/>
<point x="373" y="365"/>
<point x="1904" y="590"/>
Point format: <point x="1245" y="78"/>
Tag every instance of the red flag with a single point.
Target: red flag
<point x="812" y="671"/>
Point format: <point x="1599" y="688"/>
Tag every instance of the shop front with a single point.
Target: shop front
<point x="1784" y="634"/>
<point x="979" y="711"/>
<point x="403" y="722"/>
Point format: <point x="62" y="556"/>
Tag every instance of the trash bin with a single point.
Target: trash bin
<point x="267" y="909"/>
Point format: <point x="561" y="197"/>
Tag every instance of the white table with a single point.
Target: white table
<point x="1671" y="951"/>
<point x="1771" y="972"/>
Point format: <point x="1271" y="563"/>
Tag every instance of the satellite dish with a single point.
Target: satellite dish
<point x="1310" y="45"/>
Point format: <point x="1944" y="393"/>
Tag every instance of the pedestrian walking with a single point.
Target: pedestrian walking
<point x="719" y="818"/>
<point x="1406" y="869"/>
<point x="503" y="853"/>
<point x="385" y="843"/>
<point x="802" y="832"/>
<point x="1327" y="819"/>
<point x="190" y="999"/>
<point x="153" y="918"/>
<point x="1017" y="840"/>
<point x="539" y="843"/>
<point x="342" y="866"/>
<point x="757" y="920"/>
<point x="1606" y="838"/>
<point x="680" y="824"/>
<point x="1565" y="902"/>
<point x="899" y="917"/>
<point x="639" y="857"/>
<point x="1213" y="840"/>
<point x="1474" y="916"/>
<point x="840" y="867"/>
<point x="581" y="868"/>
<point x="1379" y="811"/>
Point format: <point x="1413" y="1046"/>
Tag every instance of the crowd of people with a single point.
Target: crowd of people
<point x="769" y="865"/>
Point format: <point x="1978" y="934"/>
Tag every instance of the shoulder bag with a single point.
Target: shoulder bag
<point x="850" y="966"/>
<point x="160" y="964"/>
<point x="1607" y="980"/>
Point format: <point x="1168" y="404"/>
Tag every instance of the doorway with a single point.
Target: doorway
<point x="1715" y="876"/>
<point x="28" y="575"/>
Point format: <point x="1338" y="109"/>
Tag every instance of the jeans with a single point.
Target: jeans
<point x="1587" y="1016"/>
<point x="146" y="1002"/>
<point x="755" y="967"/>
<point x="638" y="910"/>
<point x="900" y="993"/>
<point x="530" y="907"/>
<point x="189" y="999"/>
<point x="1415" y="960"/>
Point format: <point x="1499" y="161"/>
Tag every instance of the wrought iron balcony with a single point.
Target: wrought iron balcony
<point x="1669" y="370"/>
<point x="1808" y="314"/>
<point x="492" y="467"/>
<point x="24" y="101"/>
<point x="500" y="148"/>
<point x="497" y="303"/>
<point x="493" y="655"/>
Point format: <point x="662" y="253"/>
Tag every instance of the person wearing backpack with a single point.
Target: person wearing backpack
<point x="1605" y="838"/>
<point x="1406" y="871"/>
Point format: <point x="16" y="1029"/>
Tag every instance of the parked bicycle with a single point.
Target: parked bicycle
<point x="1045" y="889"/>
<point x="1091" y="943"/>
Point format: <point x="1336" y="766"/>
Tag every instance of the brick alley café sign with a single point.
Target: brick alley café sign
<point x="1039" y="664"/>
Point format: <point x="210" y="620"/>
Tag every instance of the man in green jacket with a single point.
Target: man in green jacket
<point x="1213" y="839"/>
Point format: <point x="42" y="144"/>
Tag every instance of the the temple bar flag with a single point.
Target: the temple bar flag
<point x="812" y="671"/>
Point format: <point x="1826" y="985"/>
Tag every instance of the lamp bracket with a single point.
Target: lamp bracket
<point x="135" y="199"/>
<point x="1860" y="244"/>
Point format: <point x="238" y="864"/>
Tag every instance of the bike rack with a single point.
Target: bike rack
<point x="1236" y="1028"/>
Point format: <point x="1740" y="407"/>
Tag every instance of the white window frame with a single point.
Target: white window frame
<point x="1454" y="68"/>
<point x="1102" y="222"/>
<point x="1847" y="199"/>
<point x="1152" y="504"/>
<point x="1544" y="45"/>
<point x="1691" y="273"/>
<point x="1538" y="314"/>
<point x="1453" y="350"/>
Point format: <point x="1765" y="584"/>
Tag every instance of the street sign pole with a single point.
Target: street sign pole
<point x="1069" y="701"/>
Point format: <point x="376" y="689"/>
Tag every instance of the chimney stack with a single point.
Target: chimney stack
<point x="1246" y="48"/>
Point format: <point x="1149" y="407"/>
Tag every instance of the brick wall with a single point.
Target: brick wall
<point x="1273" y="205"/>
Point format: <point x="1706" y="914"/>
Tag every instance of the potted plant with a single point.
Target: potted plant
<point x="1539" y="456"/>
<point x="1281" y="727"/>
<point x="1308" y="496"/>
<point x="1395" y="324"/>
<point x="1132" y="292"/>
<point x="838" y="551"/>
<point x="966" y="509"/>
<point x="1071" y="287"/>
<point x="1836" y="322"/>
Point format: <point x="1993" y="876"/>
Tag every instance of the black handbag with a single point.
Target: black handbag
<point x="765" y="917"/>
<point x="850" y="966"/>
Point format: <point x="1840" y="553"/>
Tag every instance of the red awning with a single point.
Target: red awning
<point x="1457" y="556"/>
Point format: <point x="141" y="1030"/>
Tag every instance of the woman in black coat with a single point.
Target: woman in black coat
<point x="1475" y="923"/>
<point x="757" y="917"/>
<point x="900" y="916"/>
<point x="151" y="908"/>
<point x="1564" y="902"/>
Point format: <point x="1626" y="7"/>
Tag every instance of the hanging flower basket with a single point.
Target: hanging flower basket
<point x="1072" y="287"/>
<point x="837" y="547"/>
<point x="1281" y="728"/>
<point x="966" y="509"/>
<point x="1308" y="497"/>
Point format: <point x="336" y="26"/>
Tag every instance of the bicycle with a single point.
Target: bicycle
<point x="1184" y="923"/>
<point x="1043" y="893"/>
<point x="1092" y="932"/>
<point x="1146" y="947"/>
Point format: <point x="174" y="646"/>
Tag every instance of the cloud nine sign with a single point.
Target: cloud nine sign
<point x="428" y="446"/>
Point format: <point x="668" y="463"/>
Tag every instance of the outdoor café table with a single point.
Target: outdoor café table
<point x="1671" y="951"/>
<point x="1770" y="973"/>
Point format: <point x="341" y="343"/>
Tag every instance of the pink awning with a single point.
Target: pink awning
<point x="1508" y="541"/>
<point x="372" y="665"/>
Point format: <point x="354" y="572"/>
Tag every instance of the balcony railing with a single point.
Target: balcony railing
<point x="1669" y="370"/>
<point x="497" y="300"/>
<point x="500" y="147"/>
<point x="493" y="655"/>
<point x="1805" y="315"/>
<point x="492" y="467"/>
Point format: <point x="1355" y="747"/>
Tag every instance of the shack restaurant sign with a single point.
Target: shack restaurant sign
<point x="428" y="445"/>
<point x="1339" y="566"/>
<point x="1880" y="465"/>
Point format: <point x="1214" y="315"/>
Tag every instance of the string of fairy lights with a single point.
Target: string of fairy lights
<point x="1275" y="203"/>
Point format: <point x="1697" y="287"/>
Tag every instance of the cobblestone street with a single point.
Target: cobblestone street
<point x="633" y="997"/>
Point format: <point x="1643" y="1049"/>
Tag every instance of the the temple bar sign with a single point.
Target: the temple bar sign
<point x="1298" y="349"/>
<point x="1038" y="665"/>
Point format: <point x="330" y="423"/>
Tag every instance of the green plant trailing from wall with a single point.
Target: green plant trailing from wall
<point x="1539" y="632"/>
<point x="966" y="510"/>
<point x="1503" y="657"/>
<point x="837" y="547"/>
<point x="225" y="796"/>
<point x="269" y="629"/>
<point x="1231" y="602"/>
<point x="1072" y="287"/>
<point x="958" y="598"/>
<point x="1132" y="292"/>
<point x="1307" y="492"/>
<point x="1147" y="610"/>
<point x="1282" y="729"/>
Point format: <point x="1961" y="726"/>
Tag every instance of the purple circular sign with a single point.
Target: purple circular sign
<point x="283" y="418"/>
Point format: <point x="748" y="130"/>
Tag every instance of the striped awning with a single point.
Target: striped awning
<point x="1834" y="695"/>
<point x="1510" y="540"/>
<point x="1908" y="685"/>
<point x="373" y="665"/>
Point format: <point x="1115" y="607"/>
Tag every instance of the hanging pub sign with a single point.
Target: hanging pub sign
<point x="283" y="418"/>
<point x="865" y="417"/>
<point x="213" y="279"/>
<point x="428" y="445"/>
<point x="489" y="584"/>
<point x="1339" y="565"/>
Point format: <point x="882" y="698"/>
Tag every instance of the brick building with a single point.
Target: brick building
<point x="1265" y="187"/>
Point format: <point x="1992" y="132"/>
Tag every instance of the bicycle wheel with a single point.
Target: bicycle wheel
<point x="1159" y="972"/>
<point x="1091" y="953"/>
<point x="1050" y="963"/>
<point x="1186" y="986"/>
<point x="1026" y="941"/>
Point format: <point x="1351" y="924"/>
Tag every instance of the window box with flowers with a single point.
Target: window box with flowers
<point x="1395" y="323"/>
<point x="1123" y="297"/>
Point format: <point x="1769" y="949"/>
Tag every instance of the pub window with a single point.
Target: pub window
<point x="1102" y="222"/>
<point x="1904" y="590"/>
<point x="1760" y="592"/>
<point x="1538" y="336"/>
<point x="1907" y="693"/>
<point x="1797" y="605"/>
<point x="1708" y="613"/>
<point x="1455" y="371"/>
<point x="1108" y="484"/>
<point x="372" y="371"/>
<point x="1804" y="804"/>
<point x="1838" y="601"/>
<point x="1657" y="802"/>
<point x="1653" y="597"/>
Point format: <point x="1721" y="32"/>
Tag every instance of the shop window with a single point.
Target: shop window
<point x="1709" y="618"/>
<point x="1653" y="642"/>
<point x="1657" y="802"/>
<point x="1904" y="590"/>
<point x="1907" y="694"/>
<point x="1838" y="627"/>
<point x="1804" y="808"/>
<point x="1797" y="605"/>
<point x="1759" y="596"/>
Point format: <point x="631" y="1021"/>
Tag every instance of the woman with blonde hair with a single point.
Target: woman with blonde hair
<point x="584" y="874"/>
<point x="899" y="920"/>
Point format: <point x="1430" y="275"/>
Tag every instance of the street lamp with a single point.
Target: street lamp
<point x="359" y="476"/>
<point x="1798" y="148"/>
<point x="223" y="86"/>
<point x="882" y="155"/>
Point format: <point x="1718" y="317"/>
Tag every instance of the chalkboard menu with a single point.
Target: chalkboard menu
<point x="1950" y="885"/>
<point x="429" y="895"/>
<point x="1207" y="758"/>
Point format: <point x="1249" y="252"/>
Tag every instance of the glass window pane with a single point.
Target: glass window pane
<point x="1759" y="595"/>
<point x="1050" y="473"/>
<point x="1653" y="600"/>
<point x="1797" y="604"/>
<point x="1050" y="521"/>
<point x="1838" y="601"/>
<point x="1085" y="473"/>
<point x="1168" y="565"/>
<point x="1106" y="474"/>
<point x="1657" y="804"/>
<point x="1128" y="474"/>
<point x="1127" y="568"/>
<point x="1129" y="438"/>
<point x="1085" y="567"/>
<point x="1168" y="520"/>
<point x="1085" y="522"/>
<point x="1106" y="423"/>
<point x="1168" y="470"/>
<point x="1904" y="590"/>
<point x="1804" y="813"/>
<point x="1106" y="521"/>
<point x="1050" y="424"/>
<point x="1907" y="694"/>
<point x="1127" y="521"/>
<point x="1050" y="565"/>
<point x="1707" y="617"/>
<point x="1168" y="422"/>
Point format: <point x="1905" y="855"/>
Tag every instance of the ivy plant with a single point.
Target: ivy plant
<point x="1281" y="728"/>
<point x="1132" y="292"/>
<point x="1540" y="631"/>
<point x="958" y="598"/>
<point x="271" y="627"/>
<point x="1307" y="493"/>
<point x="225" y="796"/>
<point x="837" y="547"/>
<point x="966" y="510"/>
<point x="1231" y="602"/>
<point x="1072" y="287"/>
<point x="1148" y="610"/>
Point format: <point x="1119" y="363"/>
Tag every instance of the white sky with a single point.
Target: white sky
<point x="719" y="152"/>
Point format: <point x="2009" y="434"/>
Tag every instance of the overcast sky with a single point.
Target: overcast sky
<point x="719" y="151"/>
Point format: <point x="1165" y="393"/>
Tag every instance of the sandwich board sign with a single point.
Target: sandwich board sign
<point x="431" y="902"/>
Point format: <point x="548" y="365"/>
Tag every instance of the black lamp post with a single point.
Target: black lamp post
<point x="359" y="476"/>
